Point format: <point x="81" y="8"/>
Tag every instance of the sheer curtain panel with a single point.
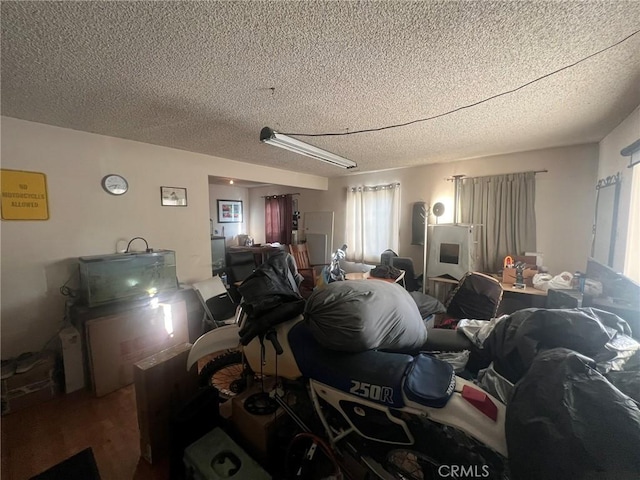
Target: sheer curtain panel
<point x="372" y="221"/>
<point x="504" y="206"/>
<point x="278" y="219"/>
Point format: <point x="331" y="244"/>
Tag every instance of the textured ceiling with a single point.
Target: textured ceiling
<point x="207" y="76"/>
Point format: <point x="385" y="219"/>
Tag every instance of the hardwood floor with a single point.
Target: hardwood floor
<point x="39" y="437"/>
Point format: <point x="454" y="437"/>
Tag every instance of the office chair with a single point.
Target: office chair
<point x="477" y="296"/>
<point x="386" y="256"/>
<point x="411" y="282"/>
<point x="239" y="266"/>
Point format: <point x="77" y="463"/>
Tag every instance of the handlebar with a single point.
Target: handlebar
<point x="272" y="336"/>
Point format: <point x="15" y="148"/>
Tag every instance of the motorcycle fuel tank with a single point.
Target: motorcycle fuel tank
<point x="283" y="365"/>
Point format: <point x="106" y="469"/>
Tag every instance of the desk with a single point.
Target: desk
<point x="524" y="296"/>
<point x="260" y="252"/>
<point x="508" y="287"/>
<point x="514" y="299"/>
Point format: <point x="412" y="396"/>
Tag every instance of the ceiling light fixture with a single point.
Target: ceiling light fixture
<point x="230" y="182"/>
<point x="267" y="135"/>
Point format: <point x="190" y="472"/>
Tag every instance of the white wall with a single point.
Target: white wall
<point x="229" y="192"/>
<point x="611" y="162"/>
<point x="40" y="256"/>
<point x="564" y="198"/>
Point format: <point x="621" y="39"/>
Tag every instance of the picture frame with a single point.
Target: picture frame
<point x="173" y="196"/>
<point x="230" y="211"/>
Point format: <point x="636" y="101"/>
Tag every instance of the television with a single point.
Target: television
<point x="452" y="250"/>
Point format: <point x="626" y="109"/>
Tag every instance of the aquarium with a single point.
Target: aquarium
<point x="126" y="276"/>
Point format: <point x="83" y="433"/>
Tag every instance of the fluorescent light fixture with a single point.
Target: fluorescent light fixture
<point x="272" y="137"/>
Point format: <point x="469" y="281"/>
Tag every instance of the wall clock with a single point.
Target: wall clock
<point x="115" y="184"/>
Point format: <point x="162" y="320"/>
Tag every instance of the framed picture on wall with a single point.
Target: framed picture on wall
<point x="229" y="211"/>
<point x="173" y="196"/>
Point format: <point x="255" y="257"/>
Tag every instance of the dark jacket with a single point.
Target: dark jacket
<point x="270" y="295"/>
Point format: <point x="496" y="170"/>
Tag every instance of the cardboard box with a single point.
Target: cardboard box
<point x="531" y="261"/>
<point x="509" y="276"/>
<point x="257" y="430"/>
<point x="30" y="388"/>
<point x="116" y="342"/>
<point x="163" y="385"/>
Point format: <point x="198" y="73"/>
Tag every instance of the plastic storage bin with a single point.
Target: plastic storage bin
<point x="217" y="457"/>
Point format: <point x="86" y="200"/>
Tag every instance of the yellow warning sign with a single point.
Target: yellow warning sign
<point x="24" y="195"/>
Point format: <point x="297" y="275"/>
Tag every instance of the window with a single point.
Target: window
<point x="505" y="207"/>
<point x="372" y="221"/>
<point x="278" y="219"/>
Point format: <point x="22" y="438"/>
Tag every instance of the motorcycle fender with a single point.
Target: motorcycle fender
<point x="221" y="338"/>
<point x="464" y="416"/>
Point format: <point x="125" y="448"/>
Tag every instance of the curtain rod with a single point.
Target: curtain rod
<point x="279" y="195"/>
<point x="454" y="177"/>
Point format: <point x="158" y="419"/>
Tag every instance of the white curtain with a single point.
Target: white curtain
<point x="373" y="221"/>
<point x="504" y="206"/>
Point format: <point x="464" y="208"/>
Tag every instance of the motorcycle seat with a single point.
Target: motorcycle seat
<point x="430" y="382"/>
<point x="374" y="375"/>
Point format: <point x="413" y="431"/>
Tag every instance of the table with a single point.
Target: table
<point x="260" y="252"/>
<point x="367" y="276"/>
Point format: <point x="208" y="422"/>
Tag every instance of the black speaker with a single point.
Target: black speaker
<point x="418" y="216"/>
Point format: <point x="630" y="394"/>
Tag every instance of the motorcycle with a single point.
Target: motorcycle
<point x="402" y="416"/>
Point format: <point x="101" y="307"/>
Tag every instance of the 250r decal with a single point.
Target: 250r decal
<point x="374" y="392"/>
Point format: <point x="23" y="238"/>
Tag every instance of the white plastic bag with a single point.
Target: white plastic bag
<point x="544" y="281"/>
<point x="562" y="281"/>
<point x="541" y="281"/>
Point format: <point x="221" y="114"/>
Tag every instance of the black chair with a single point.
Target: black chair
<point x="239" y="266"/>
<point x="386" y="256"/>
<point x="411" y="282"/>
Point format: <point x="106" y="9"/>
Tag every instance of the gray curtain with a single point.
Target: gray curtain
<point x="505" y="207"/>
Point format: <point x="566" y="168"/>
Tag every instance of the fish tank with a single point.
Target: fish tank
<point x="126" y="276"/>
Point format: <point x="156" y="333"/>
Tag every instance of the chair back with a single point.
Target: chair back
<point x="239" y="266"/>
<point x="477" y="297"/>
<point x="386" y="256"/>
<point x="300" y="254"/>
<point x="215" y="299"/>
<point x="406" y="263"/>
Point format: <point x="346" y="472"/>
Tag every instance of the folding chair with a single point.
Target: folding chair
<point x="219" y="308"/>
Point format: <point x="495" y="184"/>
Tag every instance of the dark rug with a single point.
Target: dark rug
<point x="81" y="466"/>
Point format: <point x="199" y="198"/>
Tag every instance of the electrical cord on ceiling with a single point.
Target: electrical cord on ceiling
<point x="367" y="130"/>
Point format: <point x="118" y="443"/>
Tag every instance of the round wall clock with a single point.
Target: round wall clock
<point x="115" y="184"/>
